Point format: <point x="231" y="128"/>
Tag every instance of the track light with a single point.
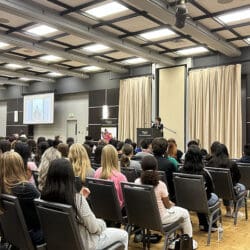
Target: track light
<point x="181" y="14"/>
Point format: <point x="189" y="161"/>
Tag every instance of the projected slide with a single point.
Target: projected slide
<point x="38" y="109"/>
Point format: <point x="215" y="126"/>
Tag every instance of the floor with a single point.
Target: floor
<point x="234" y="237"/>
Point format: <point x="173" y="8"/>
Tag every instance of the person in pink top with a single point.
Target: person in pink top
<point x="109" y="170"/>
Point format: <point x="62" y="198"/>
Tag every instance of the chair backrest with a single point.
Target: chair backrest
<point x="245" y="174"/>
<point x="59" y="226"/>
<point x="104" y="200"/>
<point x="78" y="183"/>
<point x="190" y="192"/>
<point x="222" y="182"/>
<point x="130" y="173"/>
<point x="13" y="223"/>
<point x="35" y="175"/>
<point x="163" y="177"/>
<point x="141" y="206"/>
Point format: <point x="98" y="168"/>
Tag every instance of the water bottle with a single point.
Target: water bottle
<point x="220" y="232"/>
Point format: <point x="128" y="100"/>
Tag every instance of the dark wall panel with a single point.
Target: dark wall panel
<point x="96" y="98"/>
<point x="112" y="96"/>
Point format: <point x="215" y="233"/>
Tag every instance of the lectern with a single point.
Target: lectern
<point x="147" y="133"/>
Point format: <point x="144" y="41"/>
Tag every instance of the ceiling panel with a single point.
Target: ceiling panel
<point x="27" y="52"/>
<point x="72" y="40"/>
<point x="180" y="43"/>
<point x="136" y="24"/>
<point x="118" y="55"/>
<point x="210" y="23"/>
<point x="51" y="5"/>
<point x="226" y="34"/>
<point x="73" y="64"/>
<point x="12" y="20"/>
<point x="240" y="43"/>
<point x="243" y="31"/>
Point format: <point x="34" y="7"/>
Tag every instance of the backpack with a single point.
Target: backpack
<point x="184" y="243"/>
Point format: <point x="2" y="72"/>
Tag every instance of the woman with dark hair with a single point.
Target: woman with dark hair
<point x="60" y="187"/>
<point x="23" y="150"/>
<point x="194" y="165"/>
<point x="98" y="155"/>
<point x="5" y="146"/>
<point x="125" y="160"/>
<point x="41" y="148"/>
<point x="221" y="160"/>
<point x="168" y="211"/>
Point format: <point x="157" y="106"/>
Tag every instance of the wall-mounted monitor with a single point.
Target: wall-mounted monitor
<point x="38" y="109"/>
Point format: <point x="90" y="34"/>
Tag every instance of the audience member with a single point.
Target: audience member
<point x="48" y="156"/>
<point x="221" y="160"/>
<point x="63" y="148"/>
<point x="178" y="153"/>
<point x="194" y="165"/>
<point x="41" y="148"/>
<point x="146" y="149"/>
<point x="98" y="154"/>
<point x="79" y="159"/>
<point x="88" y="150"/>
<point x="59" y="187"/>
<point x="70" y="141"/>
<point x="109" y="170"/>
<point x="168" y="211"/>
<point x="119" y="147"/>
<point x="159" y="146"/>
<point x="125" y="161"/>
<point x="5" y="146"/>
<point x="13" y="181"/>
<point x="246" y="156"/>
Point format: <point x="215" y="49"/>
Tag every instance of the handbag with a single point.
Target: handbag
<point x="184" y="243"/>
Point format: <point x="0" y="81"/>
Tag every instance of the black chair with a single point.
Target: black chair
<point x="142" y="211"/>
<point x="35" y="175"/>
<point x="162" y="176"/>
<point x="225" y="190"/>
<point x="13" y="224"/>
<point x="130" y="173"/>
<point x="245" y="174"/>
<point x="60" y="228"/>
<point x="104" y="201"/>
<point x="191" y="194"/>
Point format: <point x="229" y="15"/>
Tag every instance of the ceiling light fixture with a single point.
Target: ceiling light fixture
<point x="50" y="58"/>
<point x="136" y="60"/>
<point x="13" y="66"/>
<point x="234" y="16"/>
<point x="159" y="33"/>
<point x="91" y="68"/>
<point x="247" y="40"/>
<point x="96" y="48"/>
<point x="54" y="74"/>
<point x="107" y="9"/>
<point x="3" y="45"/>
<point x="41" y="30"/>
<point x="192" y="51"/>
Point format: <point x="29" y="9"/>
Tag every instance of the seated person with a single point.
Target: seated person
<point x="159" y="146"/>
<point x="109" y="170"/>
<point x="193" y="165"/>
<point x="246" y="157"/>
<point x="60" y="187"/>
<point x="146" y="149"/>
<point x="125" y="161"/>
<point x="176" y="154"/>
<point x="221" y="160"/>
<point x="190" y="144"/>
<point x="13" y="181"/>
<point x="168" y="211"/>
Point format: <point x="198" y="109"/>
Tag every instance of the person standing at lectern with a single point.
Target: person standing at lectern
<point x="157" y="124"/>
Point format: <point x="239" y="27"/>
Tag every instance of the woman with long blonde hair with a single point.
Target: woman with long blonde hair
<point x="14" y="181"/>
<point x="79" y="159"/>
<point x="110" y="170"/>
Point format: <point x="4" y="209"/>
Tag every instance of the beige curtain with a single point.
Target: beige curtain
<point x="134" y="106"/>
<point x="214" y="107"/>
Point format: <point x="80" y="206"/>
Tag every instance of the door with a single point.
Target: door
<point x="72" y="129"/>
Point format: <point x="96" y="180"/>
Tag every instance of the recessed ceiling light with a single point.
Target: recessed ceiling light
<point x="136" y="60"/>
<point x="54" y="74"/>
<point x="234" y="16"/>
<point x="155" y="34"/>
<point x="25" y="79"/>
<point x="91" y="68"/>
<point x="247" y="40"/>
<point x="95" y="48"/>
<point x="3" y="45"/>
<point x="192" y="51"/>
<point x="13" y="66"/>
<point x="107" y="9"/>
<point x="41" y="30"/>
<point x="50" y="58"/>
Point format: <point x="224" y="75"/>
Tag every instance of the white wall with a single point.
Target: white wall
<point x="3" y="117"/>
<point x="67" y="107"/>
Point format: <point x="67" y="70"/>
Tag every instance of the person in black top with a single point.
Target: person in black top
<point x="157" y="124"/>
<point x="13" y="181"/>
<point x="159" y="147"/>
<point x="221" y="159"/>
<point x="246" y="157"/>
<point x="194" y="165"/>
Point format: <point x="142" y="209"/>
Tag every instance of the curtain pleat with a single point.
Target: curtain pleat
<point x="214" y="107"/>
<point x="135" y="104"/>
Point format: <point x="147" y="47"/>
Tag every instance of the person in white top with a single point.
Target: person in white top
<point x="168" y="211"/>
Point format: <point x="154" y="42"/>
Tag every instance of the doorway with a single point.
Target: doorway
<point x="72" y="129"/>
